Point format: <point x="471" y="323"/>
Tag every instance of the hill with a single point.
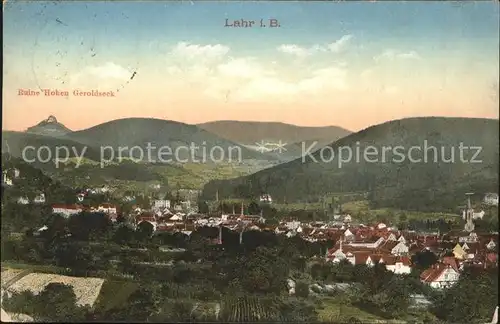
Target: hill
<point x="15" y="142"/>
<point x="49" y="127"/>
<point x="31" y="182"/>
<point x="390" y="182"/>
<point x="250" y="133"/>
<point x="174" y="136"/>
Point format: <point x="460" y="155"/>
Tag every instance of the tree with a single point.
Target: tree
<point x="317" y="271"/>
<point x="144" y="230"/>
<point x="253" y="208"/>
<point x="175" y="311"/>
<point x="298" y="311"/>
<point x="264" y="271"/>
<point x="63" y="253"/>
<point x="84" y="226"/>
<point x="302" y="289"/>
<point x="123" y="234"/>
<point x="203" y="207"/>
<point x="424" y="260"/>
<point x="343" y="271"/>
<point x="57" y="302"/>
<point x="20" y="303"/>
<point x="472" y="299"/>
<point x="140" y="306"/>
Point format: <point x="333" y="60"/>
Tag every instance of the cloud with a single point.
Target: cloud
<point x="109" y="70"/>
<point x="248" y="79"/>
<point x="108" y="74"/>
<point x="340" y="45"/>
<point x="242" y="68"/>
<point x="296" y="50"/>
<point x="193" y="51"/>
<point x="391" y="55"/>
<point x="264" y="83"/>
<point x="335" y="47"/>
<point x="330" y="78"/>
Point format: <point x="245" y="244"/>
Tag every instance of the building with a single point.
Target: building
<point x="491" y="199"/>
<point x="39" y="199"/>
<point x="469" y="215"/>
<point x="107" y="209"/>
<point x="66" y="210"/>
<point x="23" y="201"/>
<point x="6" y="180"/>
<point x="400" y="265"/>
<point x="8" y="175"/>
<point x="161" y="203"/>
<point x="441" y="275"/>
<point x="400" y="249"/>
<point x="266" y="199"/>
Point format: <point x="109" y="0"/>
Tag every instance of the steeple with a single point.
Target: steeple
<point x="469" y="214"/>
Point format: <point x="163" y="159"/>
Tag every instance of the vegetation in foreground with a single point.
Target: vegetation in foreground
<point x="232" y="282"/>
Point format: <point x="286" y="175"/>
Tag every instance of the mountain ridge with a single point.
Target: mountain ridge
<point x="251" y="132"/>
<point x="388" y="183"/>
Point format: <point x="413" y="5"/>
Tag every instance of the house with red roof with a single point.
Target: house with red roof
<point x="398" y="265"/>
<point x="66" y="210"/>
<point x="441" y="275"/>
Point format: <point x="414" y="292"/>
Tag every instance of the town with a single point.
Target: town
<point x="440" y="258"/>
<point x="316" y="162"/>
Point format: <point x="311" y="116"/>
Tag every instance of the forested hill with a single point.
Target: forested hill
<point x="438" y="183"/>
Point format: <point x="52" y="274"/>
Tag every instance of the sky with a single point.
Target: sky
<point x="350" y="64"/>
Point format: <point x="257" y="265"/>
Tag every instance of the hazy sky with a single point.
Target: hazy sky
<point x="347" y="64"/>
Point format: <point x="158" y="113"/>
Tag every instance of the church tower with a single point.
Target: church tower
<point x="469" y="213"/>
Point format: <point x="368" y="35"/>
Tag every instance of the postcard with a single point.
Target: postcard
<point x="250" y="161"/>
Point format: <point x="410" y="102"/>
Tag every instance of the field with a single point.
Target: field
<point x="115" y="293"/>
<point x="86" y="289"/>
<point x="9" y="274"/>
<point x="332" y="310"/>
<point x="361" y="212"/>
<point x="362" y="207"/>
<point x="139" y="176"/>
<point x="10" y="266"/>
